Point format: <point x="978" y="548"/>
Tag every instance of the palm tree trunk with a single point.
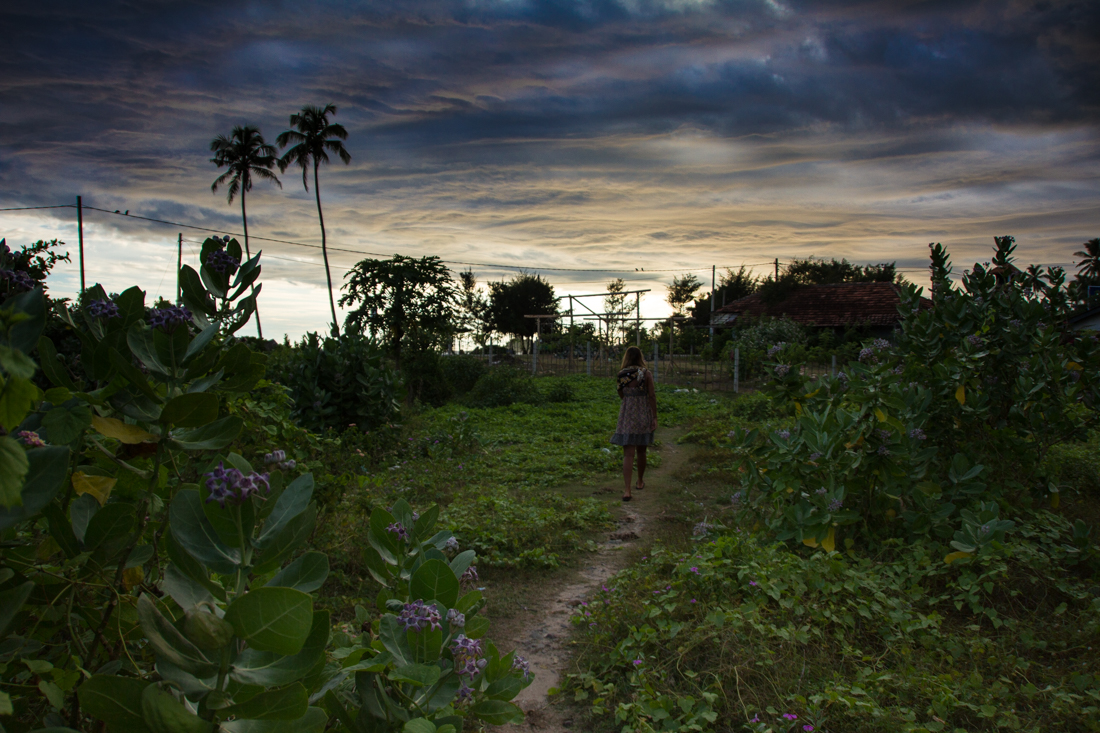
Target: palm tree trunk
<point x="324" y="250"/>
<point x="248" y="256"/>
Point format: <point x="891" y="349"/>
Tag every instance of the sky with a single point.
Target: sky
<point x="578" y="140"/>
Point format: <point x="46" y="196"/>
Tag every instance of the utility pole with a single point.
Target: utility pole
<point x="570" y="331"/>
<point x="712" y="269"/>
<point x="638" y="323"/>
<point x="80" y="235"/>
<point x="777" y="269"/>
<point x="179" y="266"/>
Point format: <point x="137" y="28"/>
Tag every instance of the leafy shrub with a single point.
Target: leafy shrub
<point x="1075" y="466"/>
<point x="561" y="392"/>
<point x="425" y="379"/>
<point x="462" y="371"/>
<point x="960" y="413"/>
<point x="738" y="632"/>
<point x="502" y="386"/>
<point x="336" y="382"/>
<point x="753" y="407"/>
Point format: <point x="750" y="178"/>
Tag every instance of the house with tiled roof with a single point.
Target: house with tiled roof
<point x="837" y="306"/>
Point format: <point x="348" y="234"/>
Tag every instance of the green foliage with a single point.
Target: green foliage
<point x="814" y="271"/>
<point x="521" y="296"/>
<point x="1075" y="466"/>
<point x="408" y="304"/>
<point x="27" y="268"/>
<point x="337" y="382"/>
<point x="737" y="632"/>
<point x="682" y="291"/>
<point x="961" y="411"/>
<point x="501" y="386"/>
<point x="561" y="392"/>
<point x="462" y="371"/>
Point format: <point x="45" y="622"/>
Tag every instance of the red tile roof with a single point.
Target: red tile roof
<point x="834" y="306"/>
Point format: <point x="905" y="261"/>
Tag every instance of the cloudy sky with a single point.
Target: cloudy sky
<point x="585" y="136"/>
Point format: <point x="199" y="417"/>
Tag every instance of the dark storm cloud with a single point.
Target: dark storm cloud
<point x="554" y="132"/>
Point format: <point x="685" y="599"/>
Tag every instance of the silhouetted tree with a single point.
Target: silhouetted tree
<point x="524" y="294"/>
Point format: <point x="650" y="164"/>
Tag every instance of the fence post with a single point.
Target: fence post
<point x="736" y="370"/>
<point x="535" y="360"/>
<point x="834" y="366"/>
<point x="588" y="357"/>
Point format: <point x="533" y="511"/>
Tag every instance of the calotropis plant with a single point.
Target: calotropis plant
<point x="425" y="665"/>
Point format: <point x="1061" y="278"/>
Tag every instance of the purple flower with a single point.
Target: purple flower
<point x="866" y="354"/>
<point x="790" y="716"/>
<point x="451" y="544"/>
<point x="974" y="339"/>
<point x="821" y="491"/>
<point x="815" y="455"/>
<point x="637" y="662"/>
<point x="693" y="600"/>
<point x="753" y="583"/>
<point x="229" y="484"/>
<point x="695" y="570"/>
<point x="399" y="529"/>
<point x="30" y="439"/>
<point x="519" y="664"/>
<point x="784" y="434"/>
<point x="917" y="434"/>
<point x="883" y="434"/>
<point x="776" y="349"/>
<point x="880" y="344"/>
<point x="417" y="616"/>
<point x="19" y="281"/>
<point x="470" y="576"/>
<point x="464" y="691"/>
<point x="169" y="318"/>
<point x="221" y="261"/>
<point x="781" y="370"/>
<point x="883" y="450"/>
<point x="808" y="728"/>
<point x="755" y="718"/>
<point x="467" y="654"/>
<point x="843" y="377"/>
<point x="456" y="619"/>
<point x="835" y="505"/>
<point x="103" y="309"/>
<point x="701" y="529"/>
<point x="277" y="456"/>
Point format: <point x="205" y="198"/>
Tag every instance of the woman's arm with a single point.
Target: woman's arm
<point x="651" y="397"/>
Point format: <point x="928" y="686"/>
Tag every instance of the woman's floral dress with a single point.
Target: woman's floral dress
<point x="635" y="417"/>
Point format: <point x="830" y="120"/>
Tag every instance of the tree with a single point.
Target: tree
<point x="731" y="286"/>
<point x="814" y="271"/>
<point x="613" y="304"/>
<point x="408" y="303"/>
<point x="472" y="307"/>
<point x="1088" y="271"/>
<point x="243" y="154"/>
<point x="523" y="295"/>
<point x="682" y="291"/>
<point x="313" y="138"/>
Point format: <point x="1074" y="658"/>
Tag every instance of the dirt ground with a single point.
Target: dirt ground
<point x="538" y="625"/>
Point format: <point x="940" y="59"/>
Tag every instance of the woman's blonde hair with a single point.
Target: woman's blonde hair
<point x="633" y="357"/>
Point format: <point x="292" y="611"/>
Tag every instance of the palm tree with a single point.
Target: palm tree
<point x="314" y="137"/>
<point x="244" y="153"/>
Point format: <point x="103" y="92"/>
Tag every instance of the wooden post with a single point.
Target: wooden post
<point x="571" y="332"/>
<point x="712" y="271"/>
<point x="777" y="269"/>
<point x="80" y="235"/>
<point x="535" y="347"/>
<point x="179" y="266"/>
<point x="638" y="322"/>
<point x="736" y="370"/>
<point x="588" y="357"/>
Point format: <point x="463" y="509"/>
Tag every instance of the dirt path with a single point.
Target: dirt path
<point x="544" y="641"/>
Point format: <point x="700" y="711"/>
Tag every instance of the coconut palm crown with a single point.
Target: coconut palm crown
<point x="312" y="138"/>
<point x="243" y="154"/>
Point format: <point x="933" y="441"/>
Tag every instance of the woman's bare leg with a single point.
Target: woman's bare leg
<point x="628" y="467"/>
<point x="641" y="465"/>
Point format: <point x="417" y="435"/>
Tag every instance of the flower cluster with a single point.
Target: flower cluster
<point x="822" y="491"/>
<point x="843" y="377"/>
<point x="784" y="434"/>
<point x="917" y="434"/>
<point x="467" y="654"/>
<point x="30" y="439"/>
<point x="776" y="349"/>
<point x="168" y="319"/>
<point x="866" y="354"/>
<point x="399" y="529"/>
<point x="736" y="498"/>
<point x="451" y="544"/>
<point x="815" y="455"/>
<point x="230" y="484"/>
<point x="883" y="434"/>
<point x="103" y="309"/>
<point x="835" y="505"/>
<point x="17" y="280"/>
<point x="974" y="340"/>
<point x="279" y="457"/>
<point x="781" y="370"/>
<point x="456" y="619"/>
<point x="470" y="576"/>
<point x="417" y="616"/>
<point x="701" y="529"/>
<point x="222" y="262"/>
<point x="883" y="450"/>
<point x="519" y="664"/>
<point x="880" y="344"/>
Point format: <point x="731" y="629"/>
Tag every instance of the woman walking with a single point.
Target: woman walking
<point x="637" y="416"/>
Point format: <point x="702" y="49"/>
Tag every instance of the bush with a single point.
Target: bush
<point x="424" y="378"/>
<point x="462" y="371"/>
<point x="560" y="392"/>
<point x="336" y="382"/>
<point x="502" y="386"/>
<point x="1075" y="466"/>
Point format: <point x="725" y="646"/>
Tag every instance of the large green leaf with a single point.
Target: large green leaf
<point x="47" y="468"/>
<point x="195" y="296"/>
<point x="114" y="700"/>
<point x="268" y="669"/>
<point x="212" y="436"/>
<point x="65" y="423"/>
<point x="418" y="675"/>
<point x="10" y="603"/>
<point x="134" y="376"/>
<point x="192" y="568"/>
<point x="193" y="531"/>
<point x="13" y="467"/>
<point x="288" y="703"/>
<point x="17" y="397"/>
<point x="140" y="340"/>
<point x="61" y="530"/>
<point x="54" y="370"/>
<point x="434" y="580"/>
<point x="497" y="712"/>
<point x="200" y="342"/>
<point x="183" y="590"/>
<point x="380" y="539"/>
<point x="506" y="687"/>
<point x="297" y="531"/>
<point x="191" y="410"/>
<point x="113" y="521"/>
<point x="169" y="643"/>
<point x="272" y="619"/>
<point x="292" y="502"/>
<point x="392" y="634"/>
<point x="165" y="714"/>
<point x="313" y="721"/>
<point x="25" y="334"/>
<point x="306" y="574"/>
<point x="462" y="561"/>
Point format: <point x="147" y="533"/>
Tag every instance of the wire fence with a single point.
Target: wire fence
<point x="690" y="371"/>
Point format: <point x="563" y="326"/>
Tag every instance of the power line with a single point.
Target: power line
<point x="30" y="208"/>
